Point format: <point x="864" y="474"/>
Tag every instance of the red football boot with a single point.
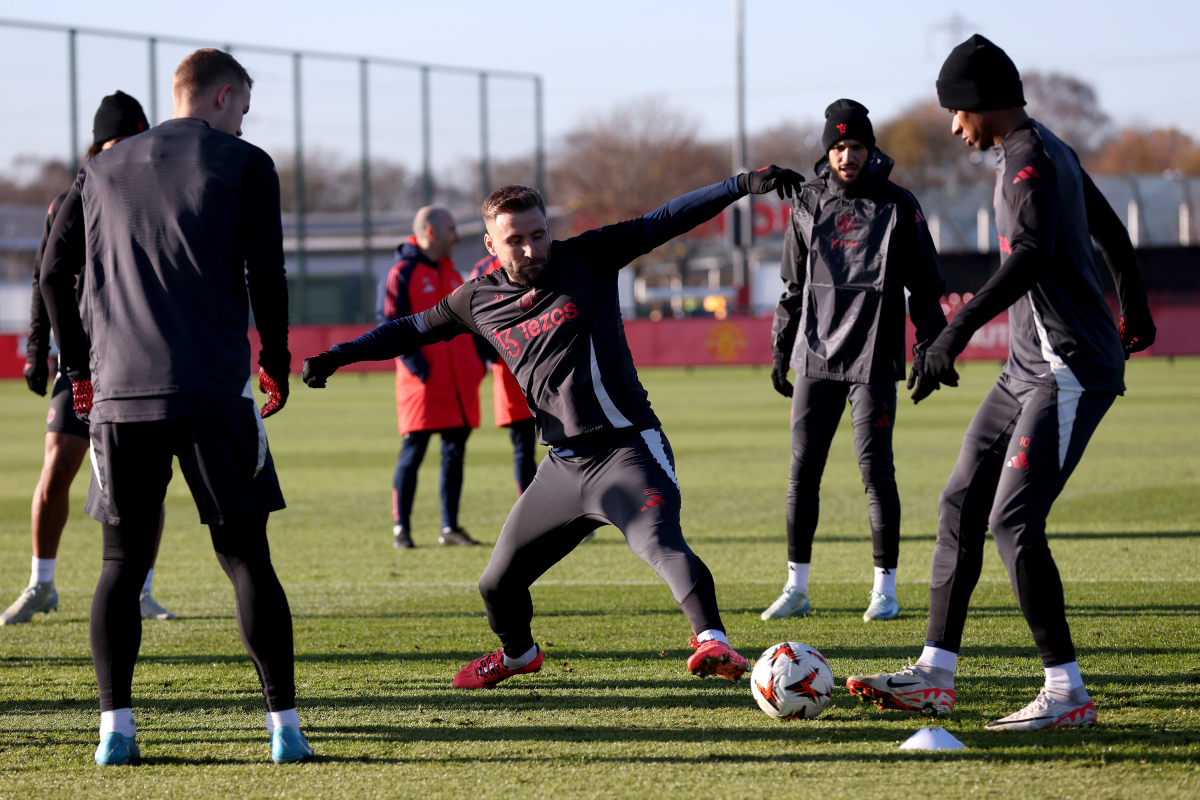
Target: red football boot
<point x="714" y="657"/>
<point x="486" y="671"/>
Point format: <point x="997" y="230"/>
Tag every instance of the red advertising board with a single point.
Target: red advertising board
<point x="699" y="341"/>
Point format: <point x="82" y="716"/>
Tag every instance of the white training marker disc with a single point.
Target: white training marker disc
<point x="932" y="739"/>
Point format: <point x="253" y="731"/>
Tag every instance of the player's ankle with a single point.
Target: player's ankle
<point x="523" y="660"/>
<point x="711" y="634"/>
<point x="797" y="581"/>
<point x="885" y="581"/>
<point x="278" y="719"/>
<point x="119" y="720"/>
<point x="42" y="570"/>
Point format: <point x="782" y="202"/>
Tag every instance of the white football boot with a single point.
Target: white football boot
<point x="151" y="609"/>
<point x="882" y="607"/>
<point x="41" y="598"/>
<point x="929" y="691"/>
<point x="789" y="604"/>
<point x="1052" y="708"/>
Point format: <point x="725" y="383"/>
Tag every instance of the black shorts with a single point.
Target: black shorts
<point x="224" y="459"/>
<point x="61" y="416"/>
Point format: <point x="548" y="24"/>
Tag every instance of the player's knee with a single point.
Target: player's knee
<point x="57" y="474"/>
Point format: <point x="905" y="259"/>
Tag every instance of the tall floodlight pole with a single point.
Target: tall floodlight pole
<point x="741" y="216"/>
<point x="485" y="167"/>
<point x="539" y="146"/>
<point x="368" y="277"/>
<point x="73" y="77"/>
<point x="301" y="254"/>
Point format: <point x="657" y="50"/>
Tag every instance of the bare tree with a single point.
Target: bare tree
<point x="927" y="155"/>
<point x="790" y="145"/>
<point x="1069" y="107"/>
<point x="1147" y="152"/>
<point x="50" y="178"/>
<point x="632" y="160"/>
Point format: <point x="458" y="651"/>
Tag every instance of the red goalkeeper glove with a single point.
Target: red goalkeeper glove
<point x="277" y="393"/>
<point x="1136" y="338"/>
<point x="81" y="395"/>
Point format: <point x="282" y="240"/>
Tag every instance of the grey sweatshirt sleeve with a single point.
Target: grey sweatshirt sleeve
<point x="793" y="269"/>
<point x="66" y="252"/>
<point x="260" y="234"/>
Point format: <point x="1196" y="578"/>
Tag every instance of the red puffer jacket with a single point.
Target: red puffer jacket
<point x="507" y="397"/>
<point x="438" y="387"/>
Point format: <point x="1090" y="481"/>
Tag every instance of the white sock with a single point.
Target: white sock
<point x="937" y="657"/>
<point x="710" y="634"/>
<point x="797" y="581"/>
<point x="288" y="718"/>
<point x="119" y="720"/>
<point x="885" y="581"/>
<point x="1065" y="677"/>
<point x="43" y="570"/>
<point x="149" y="580"/>
<point x="522" y="660"/>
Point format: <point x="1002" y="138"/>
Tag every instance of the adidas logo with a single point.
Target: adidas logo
<point x="1019" y="461"/>
<point x="882" y="422"/>
<point x="1028" y="172"/>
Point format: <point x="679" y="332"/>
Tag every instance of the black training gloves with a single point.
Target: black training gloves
<point x="320" y="367"/>
<point x="779" y="377"/>
<point x="936" y="368"/>
<point x="1135" y="336"/>
<point x="783" y="182"/>
<point x="918" y="368"/>
<point x="37" y="371"/>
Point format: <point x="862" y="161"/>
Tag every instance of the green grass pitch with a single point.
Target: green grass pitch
<point x="379" y="633"/>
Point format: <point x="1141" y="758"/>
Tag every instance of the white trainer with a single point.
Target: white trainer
<point x="151" y="609"/>
<point x="789" y="604"/>
<point x="1052" y="708"/>
<point x="881" y="608"/>
<point x="928" y="691"/>
<point x="41" y="598"/>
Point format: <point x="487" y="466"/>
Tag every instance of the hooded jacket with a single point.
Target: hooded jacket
<point x="848" y="256"/>
<point x="437" y="387"/>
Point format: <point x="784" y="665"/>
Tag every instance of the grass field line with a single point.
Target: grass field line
<point x="475" y="584"/>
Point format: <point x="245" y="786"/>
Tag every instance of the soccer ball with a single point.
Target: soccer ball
<point x="791" y="681"/>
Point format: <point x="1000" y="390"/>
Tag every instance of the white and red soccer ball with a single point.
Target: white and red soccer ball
<point x="791" y="681"/>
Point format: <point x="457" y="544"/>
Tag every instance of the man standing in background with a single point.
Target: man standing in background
<point x="511" y="408"/>
<point x="437" y="386"/>
<point x="855" y="242"/>
<point x="119" y="117"/>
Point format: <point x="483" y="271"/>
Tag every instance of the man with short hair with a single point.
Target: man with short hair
<point x="855" y="242"/>
<point x="118" y="117"/>
<point x="554" y="316"/>
<point x="183" y="237"/>
<point x="437" y="387"/>
<point x="1065" y="368"/>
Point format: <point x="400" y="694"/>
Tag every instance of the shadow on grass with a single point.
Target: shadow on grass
<point x="923" y="537"/>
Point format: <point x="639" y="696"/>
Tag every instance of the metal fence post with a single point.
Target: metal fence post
<point x="74" y="99"/>
<point x="153" y="80"/>
<point x="301" y="255"/>
<point x="426" y="140"/>
<point x="368" y="278"/>
<point x="485" y="169"/>
<point x="539" y="146"/>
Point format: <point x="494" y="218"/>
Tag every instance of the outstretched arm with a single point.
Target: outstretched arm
<point x="1137" y="328"/>
<point x="443" y="322"/>
<point x="611" y="247"/>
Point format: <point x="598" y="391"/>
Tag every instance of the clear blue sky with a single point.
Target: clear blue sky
<point x="1144" y="59"/>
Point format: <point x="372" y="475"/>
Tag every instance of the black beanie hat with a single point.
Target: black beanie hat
<point x="118" y="115"/>
<point x="846" y="119"/>
<point x="979" y="76"/>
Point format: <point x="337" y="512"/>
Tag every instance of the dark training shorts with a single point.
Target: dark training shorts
<point x="61" y="416"/>
<point x="224" y="459"/>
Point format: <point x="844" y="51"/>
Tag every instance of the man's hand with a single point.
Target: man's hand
<point x="779" y="377"/>
<point x="1134" y="337"/>
<point x="37" y="371"/>
<point x="318" y="368"/>
<point x="276" y="392"/>
<point x="783" y="182"/>
<point x="931" y="368"/>
<point x="81" y="396"/>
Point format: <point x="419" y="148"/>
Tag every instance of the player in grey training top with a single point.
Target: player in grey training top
<point x="1065" y="368"/>
<point x="178" y="233"/>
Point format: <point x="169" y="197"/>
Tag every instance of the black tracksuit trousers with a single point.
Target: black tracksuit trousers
<point x="631" y="485"/>
<point x="135" y="461"/>
<point x="817" y="406"/>
<point x="1024" y="442"/>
